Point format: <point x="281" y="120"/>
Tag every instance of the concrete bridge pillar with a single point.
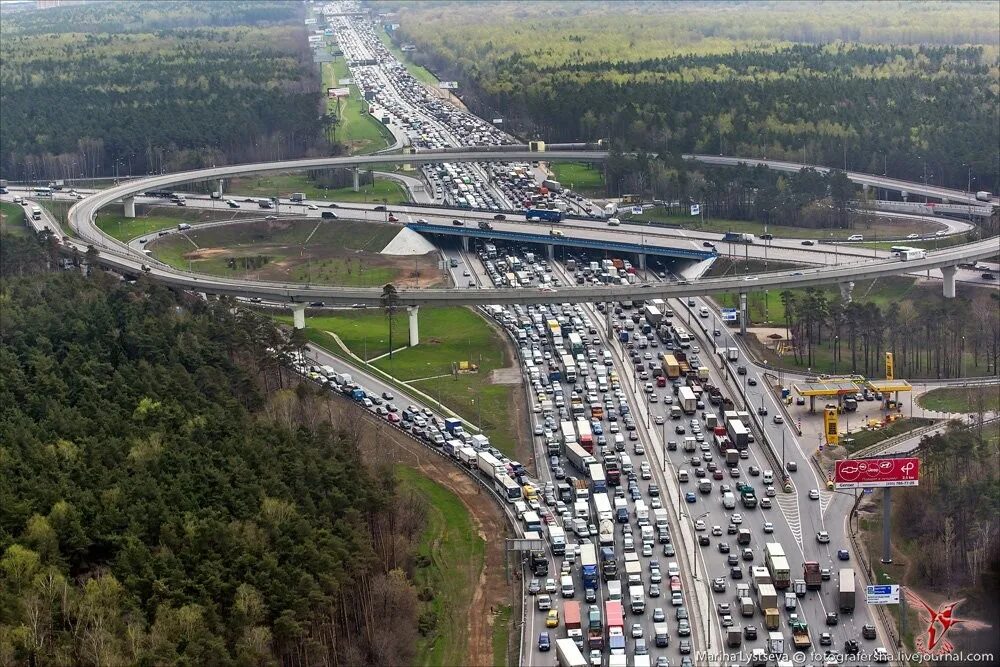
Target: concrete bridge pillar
<point x="299" y="315"/>
<point x="414" y="325"/>
<point x="641" y="261"/>
<point x="847" y="291"/>
<point x="550" y="251"/>
<point x="905" y="195"/>
<point x="608" y="309"/>
<point x="743" y="313"/>
<point x="129" y="203"/>
<point x="357" y="180"/>
<point x="465" y="243"/>
<point x="948" y="272"/>
<point x="221" y="191"/>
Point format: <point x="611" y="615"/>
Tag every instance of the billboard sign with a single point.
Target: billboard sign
<point x="882" y="594"/>
<point x="448" y="85"/>
<point x="876" y="473"/>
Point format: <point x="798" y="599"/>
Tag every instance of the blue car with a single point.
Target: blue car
<point x="544" y="644"/>
<point x="690" y="497"/>
<point x="595" y="427"/>
<point x="843" y="554"/>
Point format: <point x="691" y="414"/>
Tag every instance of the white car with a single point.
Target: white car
<point x="636" y="630"/>
<point x="823" y="537"/>
<point x="312" y="207"/>
<point x="813" y="494"/>
<point x="768" y="527"/>
<point x="716" y="530"/>
<point x="736" y="518"/>
<point x="699" y="525"/>
<point x="673" y="570"/>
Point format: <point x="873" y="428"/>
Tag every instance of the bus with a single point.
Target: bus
<point x="508" y="488"/>
<point x="543" y="214"/>
<point x="43" y="192"/>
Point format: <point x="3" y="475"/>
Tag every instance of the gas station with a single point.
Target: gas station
<point x="831" y="387"/>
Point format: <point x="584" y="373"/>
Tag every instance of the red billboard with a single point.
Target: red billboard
<point x="876" y="473"/>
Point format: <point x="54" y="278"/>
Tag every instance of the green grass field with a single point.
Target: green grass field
<point x="419" y="73"/>
<point x="450" y="559"/>
<point x="501" y="637"/>
<point x="356" y="129"/>
<point x="273" y="185"/>
<point x="961" y="399"/>
<point x="447" y="336"/>
<point x="341" y="252"/>
<point x="12" y="220"/>
<point x="862" y="439"/>
<point x="935" y="244"/>
<point x="768" y="308"/>
<point x="579" y="176"/>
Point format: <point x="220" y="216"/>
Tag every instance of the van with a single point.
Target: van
<point x="768" y="477"/>
<point x="682" y="475"/>
<point x="566" y="586"/>
<point x="728" y="500"/>
<point x="626" y="463"/>
<point x="614" y="222"/>
<point x="855" y="237"/>
<point x="544" y="603"/>
<point x="619" y="442"/>
<point x="703" y="311"/>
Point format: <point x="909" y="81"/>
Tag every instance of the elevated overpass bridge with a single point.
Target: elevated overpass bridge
<point x="118" y="255"/>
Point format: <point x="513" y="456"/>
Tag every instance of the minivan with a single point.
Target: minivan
<point x="566" y="586"/>
<point x="682" y="475"/>
<point x="855" y="237"/>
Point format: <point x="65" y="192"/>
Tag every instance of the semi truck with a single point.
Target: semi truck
<point x="777" y="565"/>
<point x="767" y="602"/>
<point x="598" y="482"/>
<point x="588" y="565"/>
<point x="579" y="458"/>
<point x="738" y="237"/>
<point x="637" y="599"/>
<point x="572" y="621"/>
<point x="543" y="214"/>
<point x="614" y="621"/>
<point x="490" y="466"/>
<point x="846" y="590"/>
<point x="568" y="655"/>
<point x="584" y="435"/>
<point x="595" y="628"/>
<point x="738" y="433"/>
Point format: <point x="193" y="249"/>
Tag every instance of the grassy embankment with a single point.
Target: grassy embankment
<point x="861" y="439"/>
<point x="330" y="252"/>
<point x="579" y="176"/>
<point x="449" y="560"/>
<point x="284" y="184"/>
<point x="12" y="220"/>
<point x="961" y="399"/>
<point x="418" y="72"/>
<point x="501" y="637"/>
<point x="355" y="128"/>
<point x="152" y="219"/>
<point x="447" y="336"/>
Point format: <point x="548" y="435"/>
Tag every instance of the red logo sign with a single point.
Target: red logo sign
<point x="869" y="473"/>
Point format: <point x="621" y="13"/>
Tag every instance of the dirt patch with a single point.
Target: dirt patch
<point x="491" y="591"/>
<point x="510" y="375"/>
<point x="206" y="253"/>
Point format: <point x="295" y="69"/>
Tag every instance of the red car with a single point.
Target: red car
<point x="717" y="475"/>
<point x="393" y="218"/>
<point x="393" y="418"/>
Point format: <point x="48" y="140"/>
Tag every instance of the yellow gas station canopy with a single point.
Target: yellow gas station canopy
<point x="826" y="388"/>
<point x="886" y="386"/>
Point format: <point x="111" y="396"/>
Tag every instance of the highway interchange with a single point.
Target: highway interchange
<point x="795" y="517"/>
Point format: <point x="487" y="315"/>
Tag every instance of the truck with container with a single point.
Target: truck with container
<point x="775" y="643"/>
<point x="812" y="575"/>
<point x="652" y="315"/>
<point x="661" y="635"/>
<point x="539" y="562"/>
<point x="588" y="565"/>
<point x="581" y="489"/>
<point x="670" y="366"/>
<point x="614" y="621"/>
<point x="759" y="575"/>
<point x="581" y="510"/>
<point x="580" y="459"/>
<point x="595" y="628"/>
<point x="598" y="482"/>
<point x="846" y="590"/>
<point x="738" y="237"/>
<point x="468" y="456"/>
<point x="910" y="254"/>
<point x="602" y="507"/>
<point x="584" y="435"/>
<point x="489" y="465"/>
<point x="569" y="655"/>
<point x="543" y="214"/>
<point x="633" y="571"/>
<point x="734" y="637"/>
<point x="738" y="433"/>
<point x="557" y="538"/>
<point x="687" y="399"/>
<point x="767" y="602"/>
<point x="572" y="621"/>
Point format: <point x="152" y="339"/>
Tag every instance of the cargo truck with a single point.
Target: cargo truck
<point x="775" y="643"/>
<point x="614" y="620"/>
<point x="468" y="456"/>
<point x="738" y="433"/>
<point x="568" y="655"/>
<point x="571" y="619"/>
<point x="595" y="628"/>
<point x="738" y="237"/>
<point x="747" y="495"/>
<point x="746" y="606"/>
<point x="812" y="575"/>
<point x="767" y="602"/>
<point x="687" y="399"/>
<point x="637" y="599"/>
<point x="777" y="565"/>
<point x="588" y="565"/>
<point x="846" y="590"/>
<point x="633" y="573"/>
<point x="598" y="481"/>
<point x="580" y="460"/>
<point x="557" y="538"/>
<point x="606" y="533"/>
<point x="734" y="637"/>
<point x="800" y="635"/>
<point x="609" y="565"/>
<point x="490" y="466"/>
